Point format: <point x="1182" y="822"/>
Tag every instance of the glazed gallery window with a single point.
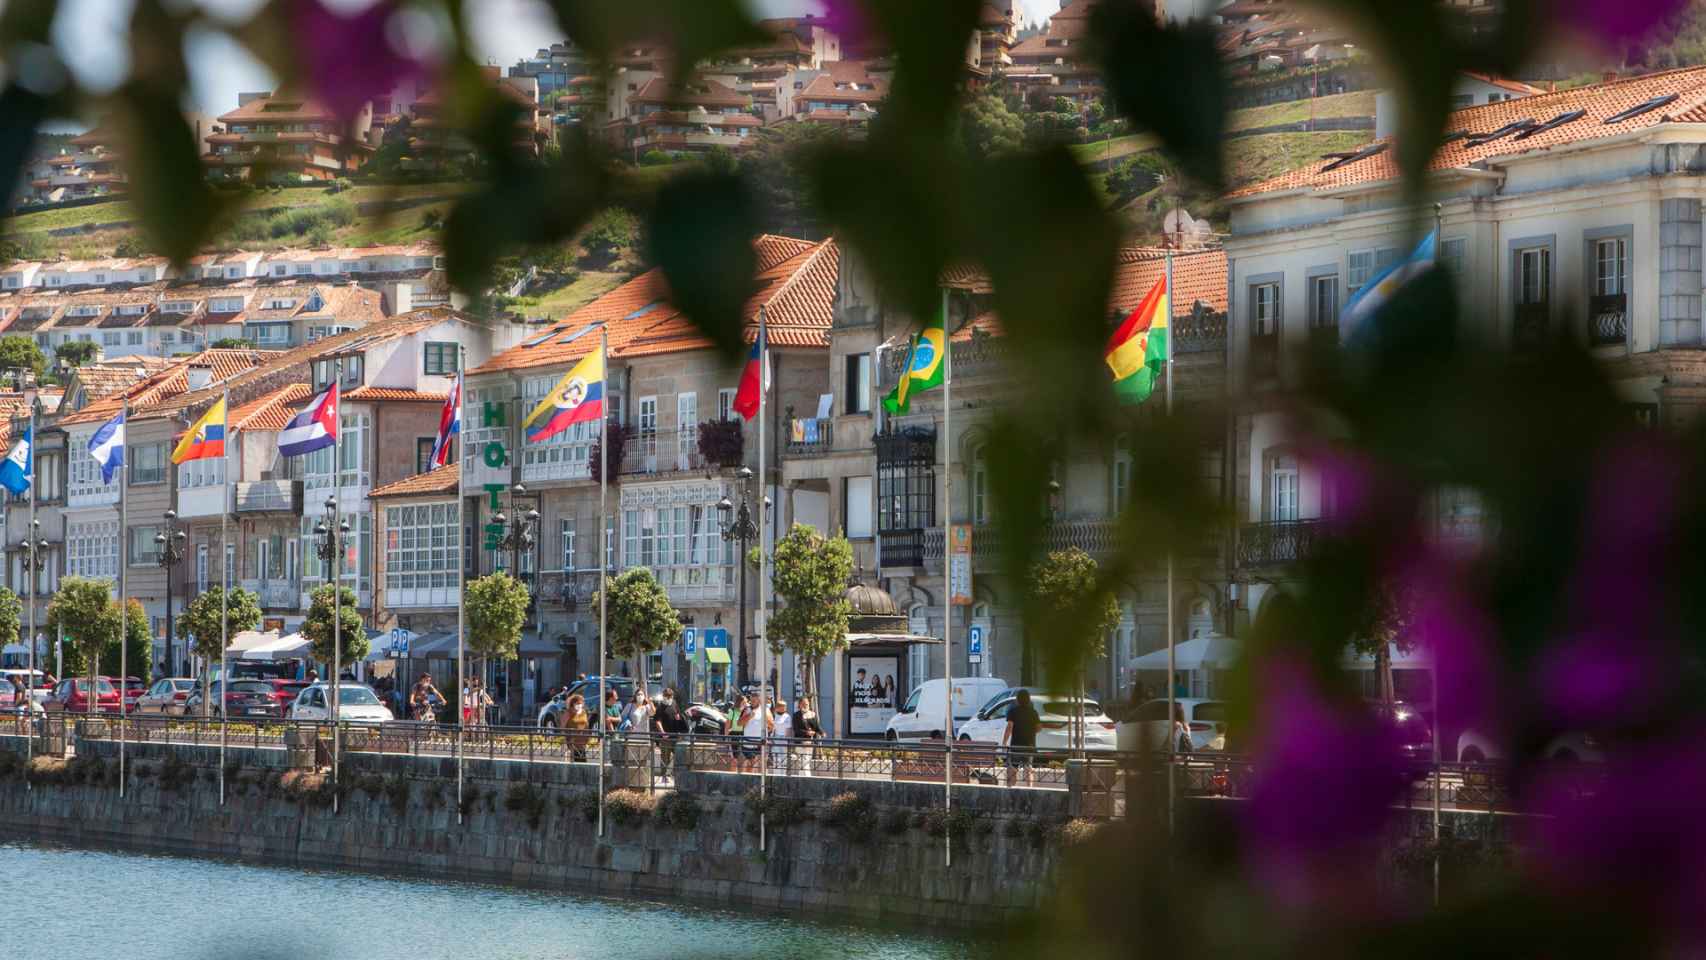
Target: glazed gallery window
<point x="421" y="546"/>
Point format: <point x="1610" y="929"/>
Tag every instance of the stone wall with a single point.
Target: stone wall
<point x="398" y="814"/>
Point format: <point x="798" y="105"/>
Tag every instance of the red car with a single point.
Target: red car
<point x="134" y="688"/>
<point x="245" y="698"/>
<point x="285" y="691"/>
<point x="72" y="696"/>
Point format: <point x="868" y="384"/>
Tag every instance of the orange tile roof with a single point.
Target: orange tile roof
<point x="361" y="394"/>
<point x="106" y="377"/>
<point x="438" y="480"/>
<point x="1598" y="102"/>
<point x="795" y="286"/>
<point x="272" y="411"/>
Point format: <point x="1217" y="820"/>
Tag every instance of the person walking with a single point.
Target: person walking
<point x="575" y="721"/>
<point x="1020" y="736"/>
<point x="757" y="726"/>
<point x="781" y="731"/>
<point x="670" y="723"/>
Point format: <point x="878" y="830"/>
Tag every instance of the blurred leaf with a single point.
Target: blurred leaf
<point x="157" y="49"/>
<point x="691" y="30"/>
<point x="701" y="234"/>
<point x="928" y="42"/>
<point x="21" y="111"/>
<point x="1168" y="80"/>
<point x="26" y="21"/>
<point x="169" y="191"/>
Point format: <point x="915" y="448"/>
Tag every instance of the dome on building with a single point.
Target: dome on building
<point x="870" y="601"/>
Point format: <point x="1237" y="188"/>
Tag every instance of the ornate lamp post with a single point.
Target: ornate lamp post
<point x="738" y="524"/>
<point x="34" y="546"/>
<point x="169" y="543"/>
<point x="330" y="546"/>
<point x="520" y="538"/>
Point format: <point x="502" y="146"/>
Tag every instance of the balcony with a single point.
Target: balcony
<point x="904" y="548"/>
<point x="1276" y="541"/>
<point x="270" y="496"/>
<point x="811" y="437"/>
<point x="1608" y="320"/>
<point x="1533" y="325"/>
<point x="713" y="585"/>
<point x="1264" y="356"/>
<point x="981" y="356"/>
<point x="274" y="593"/>
<point x="664" y="451"/>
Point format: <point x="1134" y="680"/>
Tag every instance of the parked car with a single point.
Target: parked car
<point x="1145" y="727"/>
<point x="166" y="696"/>
<point x="72" y="696"/>
<point x="133" y="689"/>
<point x="1057" y="712"/>
<point x="284" y="692"/>
<point x="37" y="683"/>
<point x="1474" y="746"/>
<point x="1412" y="728"/>
<point x="588" y="688"/>
<point x="356" y="704"/>
<point x="244" y="698"/>
<point x="922" y="716"/>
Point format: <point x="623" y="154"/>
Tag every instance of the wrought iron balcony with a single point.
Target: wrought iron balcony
<point x="901" y="548"/>
<point x="809" y="437"/>
<point x="270" y="496"/>
<point x="1276" y="541"/>
<point x="275" y="592"/>
<point x="1608" y="320"/>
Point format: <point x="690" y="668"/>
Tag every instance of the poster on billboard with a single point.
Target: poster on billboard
<point x="872" y="693"/>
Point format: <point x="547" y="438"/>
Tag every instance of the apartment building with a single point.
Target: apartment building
<point x="1574" y="215"/>
<point x="284" y="135"/>
<point x="667" y="386"/>
<point x="761" y="72"/>
<point x="700" y="114"/>
<point x="880" y="476"/>
<point x="91" y="168"/>
<point x="1058" y="62"/>
<point x="434" y="143"/>
<point x="840" y="92"/>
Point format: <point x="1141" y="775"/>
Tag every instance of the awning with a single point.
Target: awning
<point x="247" y="640"/>
<point x="538" y="646"/>
<point x="866" y="639"/>
<point x="716" y="654"/>
<point x="1213" y="652"/>
<point x="433" y="645"/>
<point x="292" y="647"/>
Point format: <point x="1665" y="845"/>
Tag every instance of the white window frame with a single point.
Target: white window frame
<point x="1284" y="488"/>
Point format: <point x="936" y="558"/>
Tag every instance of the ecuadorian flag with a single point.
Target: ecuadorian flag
<point x="1138" y="349"/>
<point x="206" y="440"/>
<point x="578" y="397"/>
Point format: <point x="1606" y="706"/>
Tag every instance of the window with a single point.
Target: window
<point x="857" y="508"/>
<point x="91" y="549"/>
<point x="1121" y="481"/>
<point x="858" y="384"/>
<point x="1282" y="483"/>
<point x="422" y="546"/>
<point x="1323" y="303"/>
<point x="568" y="543"/>
<point x="917" y="654"/>
<point x="201" y="567"/>
<point x="1611" y="267"/>
<point x="132" y="338"/>
<point x="352" y="468"/>
<point x="726" y="404"/>
<point x="148" y="463"/>
<point x="202" y="473"/>
<point x="141" y="550"/>
<point x="647" y="426"/>
<point x="1362" y="265"/>
<point x="355" y="568"/>
<point x="423" y="453"/>
<point x="109" y="338"/>
<point x="686" y="430"/>
<point x="1534" y="276"/>
<point x="441" y="358"/>
<point x="1454" y="255"/>
<point x="979" y="487"/>
<point x="1264" y="309"/>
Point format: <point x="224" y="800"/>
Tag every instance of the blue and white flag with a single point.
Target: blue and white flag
<point x="315" y="428"/>
<point x="17" y="469"/>
<point x="107" y="447"/>
<point x="1381" y="288"/>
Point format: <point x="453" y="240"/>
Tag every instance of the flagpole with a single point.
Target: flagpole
<point x="30" y="574"/>
<point x="224" y="585"/>
<point x="603" y="556"/>
<point x="947" y="584"/>
<point x="763" y="619"/>
<point x="337" y="581"/>
<point x="1172" y="738"/>
<point x="123" y="607"/>
<point x="461" y="573"/>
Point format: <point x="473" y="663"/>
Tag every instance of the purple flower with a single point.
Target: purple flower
<point x="349" y="60"/>
<point x="1446" y="621"/>
<point x="853" y="23"/>
<point x="1325" y="778"/>
<point x="1613" y="23"/>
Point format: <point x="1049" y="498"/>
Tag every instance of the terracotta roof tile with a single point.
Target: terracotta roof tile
<point x="440" y="480"/>
<point x="367" y="394"/>
<point x="1598" y="102"/>
<point x="271" y="411"/>
<point x="697" y="91"/>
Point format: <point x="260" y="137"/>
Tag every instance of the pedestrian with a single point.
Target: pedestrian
<point x="575" y="721"/>
<point x="805" y="725"/>
<point x="670" y="723"/>
<point x="468" y="697"/>
<point x="1020" y="736"/>
<point x="739" y="713"/>
<point x="757" y="726"/>
<point x="612" y="710"/>
<point x="781" y="731"/>
<point x="1182" y="742"/>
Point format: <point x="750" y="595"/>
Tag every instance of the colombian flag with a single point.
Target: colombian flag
<point x="1138" y="348"/>
<point x="206" y="440"/>
<point x="576" y="398"/>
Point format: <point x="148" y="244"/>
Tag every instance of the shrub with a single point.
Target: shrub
<point x="956" y="823"/>
<point x="584" y="802"/>
<point x="397" y="790"/>
<point x="470" y="798"/>
<point x="1037" y="832"/>
<point x="527" y="800"/>
<point x="851" y="814"/>
<point x="629" y="807"/>
<point x="895" y="822"/>
<point x="432" y="219"/>
<point x="320" y="235"/>
<point x="720" y="442"/>
<point x="678" y="810"/>
<point x="371" y="784"/>
<point x="918" y="821"/>
<point x="654" y="158"/>
<point x="1076" y="832"/>
<point x="777" y="810"/>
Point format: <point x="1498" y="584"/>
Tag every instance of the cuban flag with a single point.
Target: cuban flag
<point x="315" y="428"/>
<point x="16" y="469"/>
<point x="106" y="447"/>
<point x="449" y="425"/>
<point x="1380" y="289"/>
<point x="753" y="379"/>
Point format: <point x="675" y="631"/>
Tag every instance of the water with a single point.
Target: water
<point x="169" y="908"/>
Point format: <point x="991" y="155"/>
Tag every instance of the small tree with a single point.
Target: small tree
<point x="810" y="573"/>
<point x="1387" y="626"/>
<point x="20" y="352"/>
<point x="11" y="615"/>
<point x="84" y="611"/>
<point x="497" y="610"/>
<point x="317" y="626"/>
<point x="617" y="438"/>
<point x="76" y="353"/>
<point x="199" y="625"/>
<point x="1070" y="598"/>
<point x="641" y="619"/>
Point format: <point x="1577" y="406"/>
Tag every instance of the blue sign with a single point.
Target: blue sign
<point x="716" y="637"/>
<point x="687" y="637"/>
<point x="400" y="640"/>
<point x="974" y="644"/>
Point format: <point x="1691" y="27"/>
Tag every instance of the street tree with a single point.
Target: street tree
<point x="82" y="610"/>
<point x="76" y="352"/>
<point x="1070" y="595"/>
<point x="138" y="639"/>
<point x="200" y="626"/>
<point x="1385" y="627"/>
<point x="19" y="352"/>
<point x="317" y="626"/>
<point x="809" y="572"/>
<point x="11" y="616"/>
<point x="988" y="126"/>
<point x="640" y="618"/>
<point x="497" y="609"/>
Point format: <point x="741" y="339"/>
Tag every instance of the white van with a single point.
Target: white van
<point x="921" y="717"/>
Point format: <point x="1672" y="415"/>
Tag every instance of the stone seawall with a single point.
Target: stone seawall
<point x="878" y="857"/>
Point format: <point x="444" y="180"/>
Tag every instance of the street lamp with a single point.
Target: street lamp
<point x="329" y="547"/>
<point x="518" y="536"/>
<point x="738" y="524"/>
<point x="169" y="544"/>
<point x="34" y="546"/>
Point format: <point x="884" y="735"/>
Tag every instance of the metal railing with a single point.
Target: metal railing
<point x="1608" y="319"/>
<point x="811" y="436"/>
<point x="1276" y="541"/>
<point x="269" y="496"/>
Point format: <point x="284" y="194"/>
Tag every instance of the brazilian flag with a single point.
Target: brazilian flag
<point x="924" y="367"/>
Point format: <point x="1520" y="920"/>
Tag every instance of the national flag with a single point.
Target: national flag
<point x="16" y="470"/>
<point x="924" y="368"/>
<point x="757" y="365"/>
<point x="576" y="398"/>
<point x="313" y="428"/>
<point x="1137" y="351"/>
<point x="1383" y="286"/>
<point x="206" y="439"/>
<point x="106" y="447"/>
<point x="449" y="424"/>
